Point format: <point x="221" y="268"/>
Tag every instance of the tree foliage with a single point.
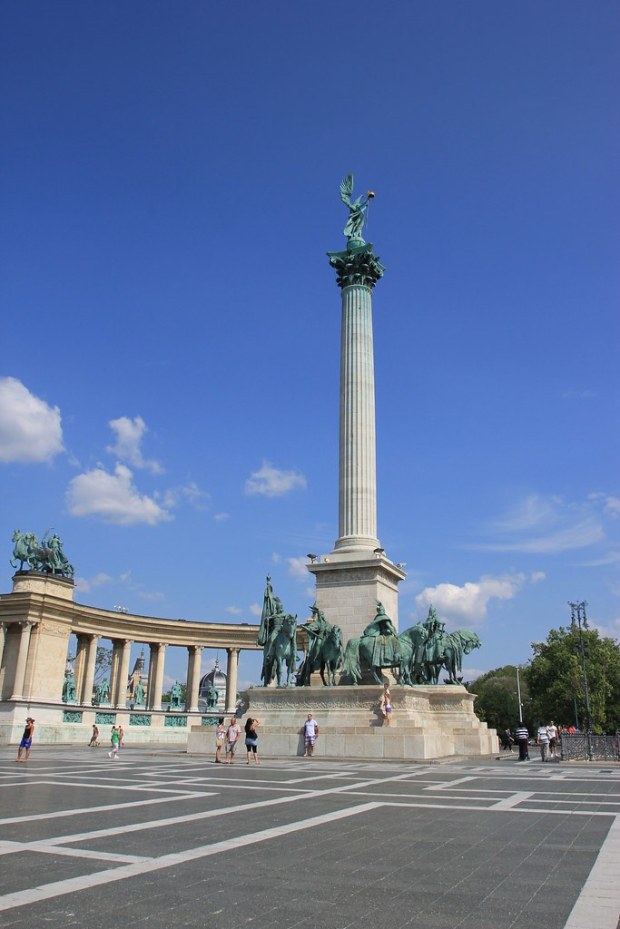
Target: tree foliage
<point x="497" y="703"/>
<point x="556" y="681"/>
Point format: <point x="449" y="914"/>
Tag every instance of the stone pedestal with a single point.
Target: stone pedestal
<point x="427" y="723"/>
<point x="347" y="590"/>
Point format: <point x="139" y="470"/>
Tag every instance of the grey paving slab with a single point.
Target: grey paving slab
<point x="159" y="840"/>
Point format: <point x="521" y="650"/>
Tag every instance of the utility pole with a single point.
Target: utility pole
<point x="519" y="697"/>
<point x="579" y="620"/>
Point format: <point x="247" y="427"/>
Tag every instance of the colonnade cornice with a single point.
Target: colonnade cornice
<point x="110" y="624"/>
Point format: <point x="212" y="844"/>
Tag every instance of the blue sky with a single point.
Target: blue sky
<point x="169" y="367"/>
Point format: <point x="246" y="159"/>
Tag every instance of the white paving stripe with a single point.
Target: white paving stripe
<point x="137" y="869"/>
<point x="126" y="828"/>
<point x="60" y="814"/>
<point x="445" y="784"/>
<point x="598" y="904"/>
<point x="509" y="802"/>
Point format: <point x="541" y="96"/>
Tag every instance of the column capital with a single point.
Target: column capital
<point x="358" y="265"/>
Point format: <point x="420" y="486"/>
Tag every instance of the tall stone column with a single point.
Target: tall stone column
<point x="194" y="656"/>
<point x="86" y="691"/>
<point x="22" y="657"/>
<point x="357" y="497"/>
<point x="81" y="657"/>
<point x="231" y="679"/>
<point x="120" y="695"/>
<point x="156" y="674"/>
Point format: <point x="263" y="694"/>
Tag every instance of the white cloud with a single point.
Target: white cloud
<point x="30" y="429"/>
<point x="470" y="602"/>
<point x="297" y="568"/>
<point x="129" y="434"/>
<point x="113" y="498"/>
<point x="85" y="584"/>
<point x="234" y="610"/>
<point x="256" y="609"/>
<point x="271" y="482"/>
<point x="610" y="630"/>
<point x="221" y="517"/>
<point x="537" y="577"/>
<point x="612" y="506"/>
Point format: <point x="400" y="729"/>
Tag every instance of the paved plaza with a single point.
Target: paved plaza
<point x="161" y="839"/>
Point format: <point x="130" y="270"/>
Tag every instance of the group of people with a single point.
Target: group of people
<point x="228" y="737"/>
<point x="547" y="738"/>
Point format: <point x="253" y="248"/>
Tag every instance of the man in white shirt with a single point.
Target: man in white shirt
<point x="542" y="738"/>
<point x="552" y="732"/>
<point x="311" y="731"/>
<point x="233" y="734"/>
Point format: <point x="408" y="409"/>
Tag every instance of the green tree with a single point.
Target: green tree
<point x="496" y="698"/>
<point x="556" y="683"/>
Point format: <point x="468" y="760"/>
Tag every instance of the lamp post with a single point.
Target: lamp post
<point x="579" y="620"/>
<point x="519" y="696"/>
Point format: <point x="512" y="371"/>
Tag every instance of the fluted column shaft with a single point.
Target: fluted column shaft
<point x="231" y="679"/>
<point x="86" y="692"/>
<point x="120" y="696"/>
<point x="22" y="657"/>
<point x="357" y="523"/>
<point x="194" y="654"/>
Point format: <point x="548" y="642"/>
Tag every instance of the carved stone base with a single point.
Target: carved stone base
<point x="427" y="723"/>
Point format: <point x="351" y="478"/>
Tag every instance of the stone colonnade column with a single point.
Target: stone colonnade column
<point x="86" y="690"/>
<point x="194" y="656"/>
<point x="22" y="657"/>
<point x="156" y="674"/>
<point x="120" y="689"/>
<point x="231" y="679"/>
<point x="357" y="518"/>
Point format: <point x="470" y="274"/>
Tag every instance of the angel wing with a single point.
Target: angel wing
<point x="346" y="188"/>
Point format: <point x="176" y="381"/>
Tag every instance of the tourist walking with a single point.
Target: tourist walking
<point x="94" y="739"/>
<point x="220" y="738"/>
<point x="115" y="739"/>
<point x="311" y="733"/>
<point x="522" y="736"/>
<point x="233" y="734"/>
<point x="251" y="739"/>
<point x="26" y="742"/>
<point x="507" y="740"/>
<point x="542" y="739"/>
<point x="386" y="705"/>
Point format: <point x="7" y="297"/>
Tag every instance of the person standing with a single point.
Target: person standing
<point x="522" y="737"/>
<point x="542" y="739"/>
<point x="94" y="739"/>
<point x="386" y="705"/>
<point x="115" y="739"/>
<point x="26" y="742"/>
<point x="507" y="740"/>
<point x="251" y="739"/>
<point x="552" y="732"/>
<point x="121" y="737"/>
<point x="233" y="734"/>
<point x="220" y="738"/>
<point x="311" y="733"/>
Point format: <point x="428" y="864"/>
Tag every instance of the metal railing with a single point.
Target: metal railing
<point x="585" y="746"/>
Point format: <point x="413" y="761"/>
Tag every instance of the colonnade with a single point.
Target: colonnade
<point x="39" y="618"/>
<point x="85" y="665"/>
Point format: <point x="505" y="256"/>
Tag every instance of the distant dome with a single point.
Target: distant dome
<point x="215" y="678"/>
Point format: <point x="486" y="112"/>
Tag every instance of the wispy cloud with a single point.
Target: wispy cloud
<point x="272" y="482"/>
<point x="549" y="525"/>
<point x="191" y="493"/>
<point x="234" y="610"/>
<point x="129" y="435"/>
<point x="297" y="568"/>
<point x="30" y="429"/>
<point x="113" y="498"/>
